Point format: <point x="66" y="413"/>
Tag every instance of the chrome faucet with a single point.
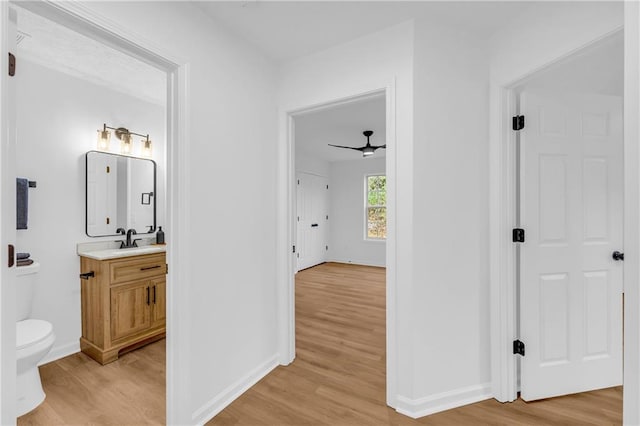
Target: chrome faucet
<point x="128" y="243"/>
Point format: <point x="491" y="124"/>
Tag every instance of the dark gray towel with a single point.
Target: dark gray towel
<point x="22" y="202"/>
<point x="25" y="262"/>
<point x="23" y="256"/>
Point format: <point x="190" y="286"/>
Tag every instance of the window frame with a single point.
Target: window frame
<point x="367" y="206"/>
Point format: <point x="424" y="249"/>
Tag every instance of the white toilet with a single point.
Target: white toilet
<point x="34" y="340"/>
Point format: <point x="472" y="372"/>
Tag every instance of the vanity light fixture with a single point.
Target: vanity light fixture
<point x="126" y="142"/>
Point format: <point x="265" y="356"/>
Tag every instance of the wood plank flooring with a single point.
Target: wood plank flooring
<point x="338" y="377"/>
<point x="128" y="391"/>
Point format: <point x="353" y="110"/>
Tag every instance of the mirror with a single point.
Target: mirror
<point x="121" y="193"/>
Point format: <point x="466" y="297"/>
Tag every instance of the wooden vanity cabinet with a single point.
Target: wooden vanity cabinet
<point x="123" y="304"/>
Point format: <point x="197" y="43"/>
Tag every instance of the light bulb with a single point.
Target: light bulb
<point x="125" y="144"/>
<point x="104" y="139"/>
<point x="146" y="150"/>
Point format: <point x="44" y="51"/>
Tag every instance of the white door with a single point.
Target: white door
<point x="312" y="219"/>
<point x="8" y="24"/>
<point x="102" y="193"/>
<point x="571" y="210"/>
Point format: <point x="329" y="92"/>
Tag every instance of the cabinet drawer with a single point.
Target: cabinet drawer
<point x="138" y="268"/>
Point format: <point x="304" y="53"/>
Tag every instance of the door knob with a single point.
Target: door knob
<point x="617" y="255"/>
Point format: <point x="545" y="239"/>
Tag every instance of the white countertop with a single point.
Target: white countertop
<point x="110" y="250"/>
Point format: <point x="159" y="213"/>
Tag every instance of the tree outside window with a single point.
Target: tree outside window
<point x="376" y="188"/>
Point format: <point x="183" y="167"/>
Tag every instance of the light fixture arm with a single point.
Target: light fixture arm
<point x="120" y="131"/>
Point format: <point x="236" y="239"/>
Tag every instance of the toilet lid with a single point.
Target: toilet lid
<point x="31" y="331"/>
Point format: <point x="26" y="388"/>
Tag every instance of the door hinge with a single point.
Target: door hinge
<point x="518" y="347"/>
<point x="166" y="271"/>
<point x="518" y="235"/>
<point x="294" y="249"/>
<point x="12" y="65"/>
<point x="327" y="186"/>
<point x="518" y="122"/>
<point x="298" y="181"/>
<point x="326" y="247"/>
<point x="327" y="217"/>
<point x="108" y="169"/>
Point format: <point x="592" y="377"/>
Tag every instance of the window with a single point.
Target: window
<point x="376" y="211"/>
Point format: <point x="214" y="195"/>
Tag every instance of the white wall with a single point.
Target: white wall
<point x="230" y="200"/>
<point x="58" y="116"/>
<point x="376" y="61"/>
<point x="347" y="213"/>
<point x="449" y="303"/>
<point x="313" y="165"/>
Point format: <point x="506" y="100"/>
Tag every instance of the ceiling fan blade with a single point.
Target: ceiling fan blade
<point x="347" y="147"/>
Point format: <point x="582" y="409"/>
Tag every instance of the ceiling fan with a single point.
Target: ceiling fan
<point x="368" y="149"/>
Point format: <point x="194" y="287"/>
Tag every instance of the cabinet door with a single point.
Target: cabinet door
<point x="158" y="295"/>
<point x="130" y="309"/>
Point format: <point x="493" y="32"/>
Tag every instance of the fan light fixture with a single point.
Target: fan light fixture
<point x="366" y="150"/>
<point x="126" y="142"/>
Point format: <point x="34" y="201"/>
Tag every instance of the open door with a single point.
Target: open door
<point x="572" y="213"/>
<point x="8" y="31"/>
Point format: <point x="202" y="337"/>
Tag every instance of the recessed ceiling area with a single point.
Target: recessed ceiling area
<point x="341" y="125"/>
<point x="598" y="69"/>
<point x="285" y="30"/>
<point x="56" y="47"/>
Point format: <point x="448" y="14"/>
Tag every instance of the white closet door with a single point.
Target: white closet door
<point x="312" y="207"/>
<point x="572" y="204"/>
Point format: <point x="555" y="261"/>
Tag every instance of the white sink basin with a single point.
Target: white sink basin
<point x="117" y="253"/>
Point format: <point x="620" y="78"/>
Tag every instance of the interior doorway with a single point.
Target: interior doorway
<point x="569" y="204"/>
<point x="340" y="182"/>
<point x="96" y="28"/>
<point x="387" y="136"/>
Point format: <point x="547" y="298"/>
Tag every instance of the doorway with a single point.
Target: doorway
<point x="569" y="217"/>
<point x="96" y="28"/>
<point x="287" y="318"/>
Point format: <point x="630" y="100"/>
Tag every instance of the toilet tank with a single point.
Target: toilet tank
<point x="25" y="288"/>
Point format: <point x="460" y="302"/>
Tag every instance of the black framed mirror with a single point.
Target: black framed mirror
<point x="120" y="193"/>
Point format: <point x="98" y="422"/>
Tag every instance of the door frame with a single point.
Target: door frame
<point x="287" y="225"/>
<point x="81" y="18"/>
<point x="503" y="218"/>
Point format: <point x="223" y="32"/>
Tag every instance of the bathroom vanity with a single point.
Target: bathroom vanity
<point x="123" y="300"/>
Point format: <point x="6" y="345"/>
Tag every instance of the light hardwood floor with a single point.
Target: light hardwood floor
<point x="129" y="391"/>
<point x="338" y="377"/>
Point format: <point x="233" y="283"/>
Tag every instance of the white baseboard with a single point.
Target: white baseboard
<point x="357" y="262"/>
<point x="415" y="408"/>
<point x="58" y="352"/>
<point x="227" y="396"/>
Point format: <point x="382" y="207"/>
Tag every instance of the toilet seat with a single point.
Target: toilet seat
<point x="32" y="331"/>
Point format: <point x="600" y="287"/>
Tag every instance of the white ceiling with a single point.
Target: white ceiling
<point x="598" y="69"/>
<point x="341" y="125"/>
<point x="285" y="30"/>
<point x="59" y="48"/>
